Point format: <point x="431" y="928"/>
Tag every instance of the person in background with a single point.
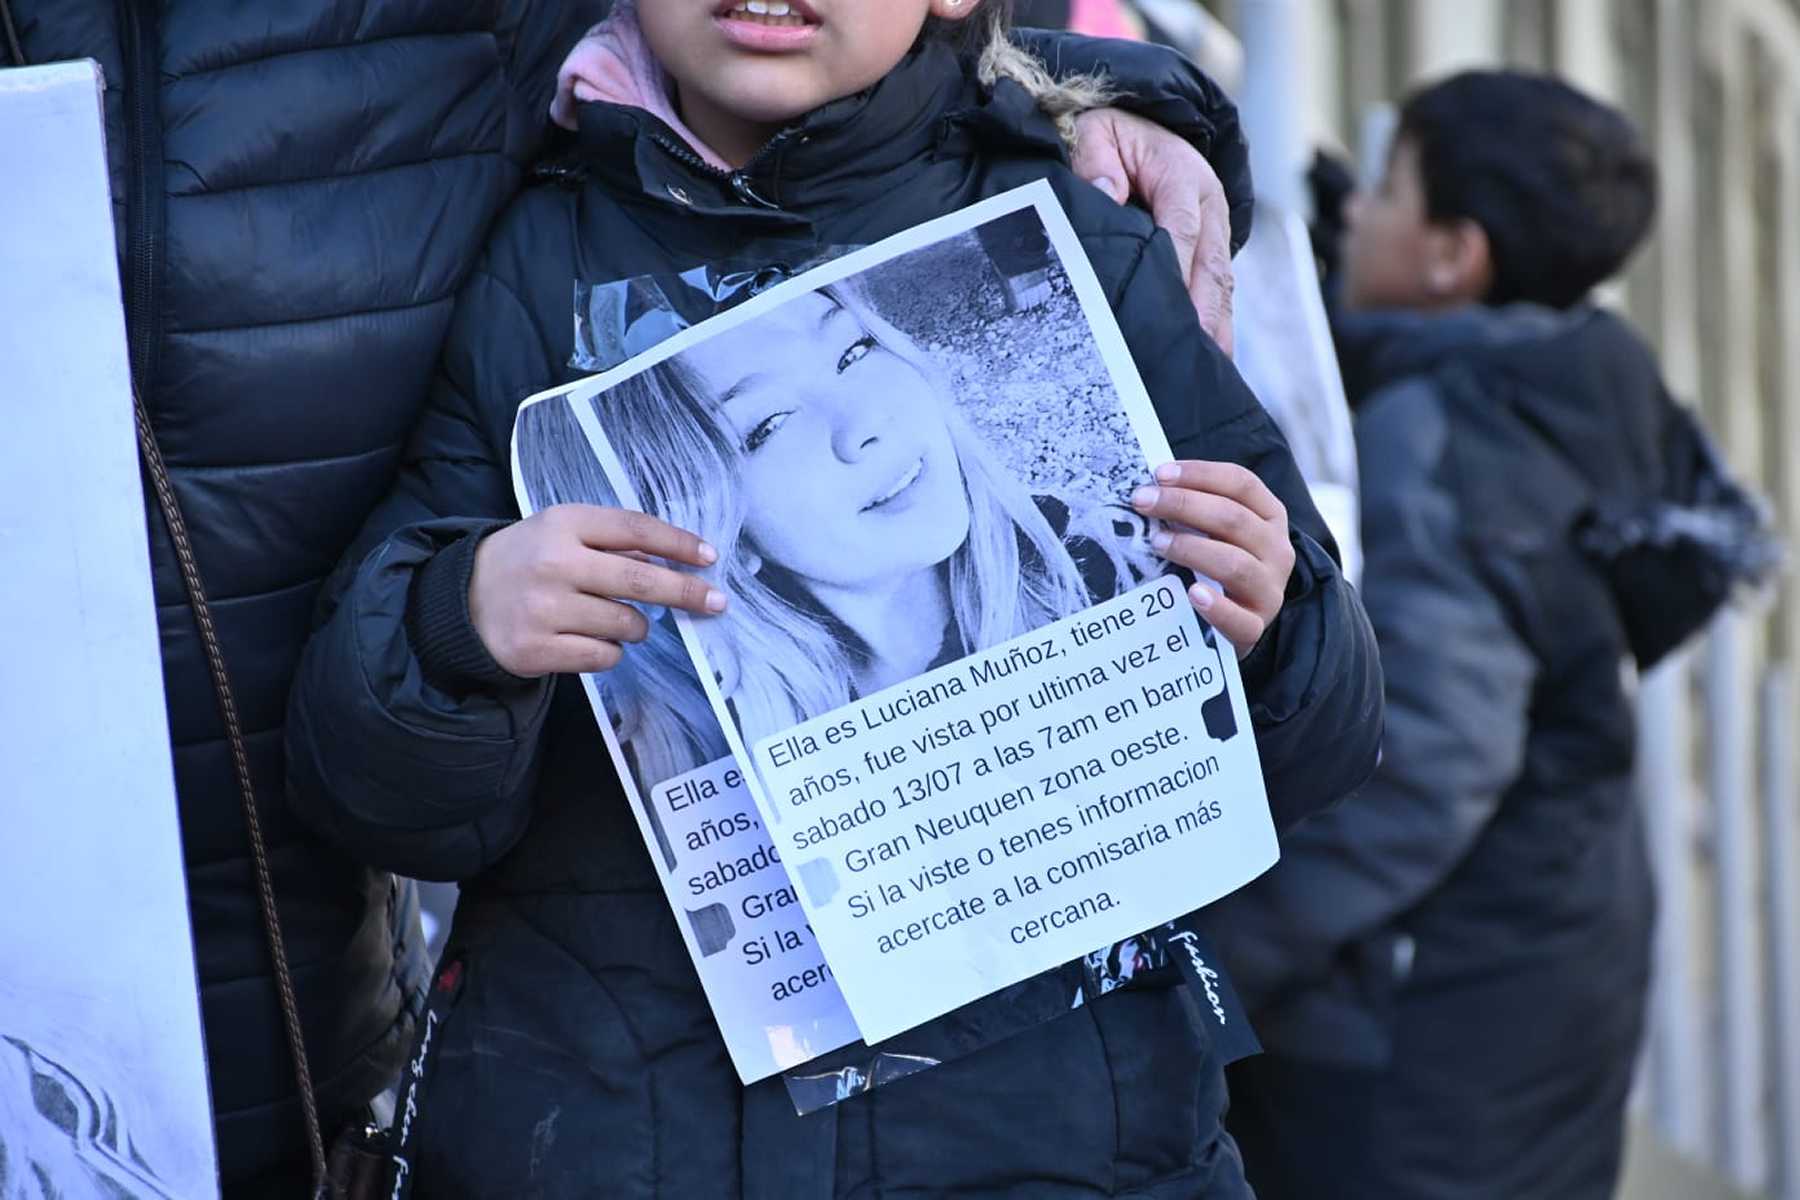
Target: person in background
<point x="1449" y="971"/>
<point x="301" y="190"/>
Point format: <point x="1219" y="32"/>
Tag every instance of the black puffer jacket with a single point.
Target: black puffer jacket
<point x="1470" y="934"/>
<point x="581" y="1058"/>
<point x="301" y="188"/>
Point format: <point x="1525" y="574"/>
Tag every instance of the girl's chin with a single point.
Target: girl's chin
<point x="887" y="577"/>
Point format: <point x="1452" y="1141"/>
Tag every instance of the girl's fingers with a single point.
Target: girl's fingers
<point x="572" y="654"/>
<point x="1217" y="516"/>
<point x="1224" y="479"/>
<point x="592" y="617"/>
<point x="618" y="577"/>
<point x="1241" y="627"/>
<point x="618" y="529"/>
<point x="1241" y="541"/>
<point x="1245" y="578"/>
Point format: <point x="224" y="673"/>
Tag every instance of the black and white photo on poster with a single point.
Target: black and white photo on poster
<point x="889" y="509"/>
<point x="942" y="611"/>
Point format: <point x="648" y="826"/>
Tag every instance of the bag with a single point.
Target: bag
<point x="356" y="1168"/>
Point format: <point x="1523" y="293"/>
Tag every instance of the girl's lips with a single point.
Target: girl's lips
<point x="760" y="32"/>
<point x="898" y="491"/>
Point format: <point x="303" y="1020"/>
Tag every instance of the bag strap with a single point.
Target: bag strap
<point x="12" y="35"/>
<point x="240" y="761"/>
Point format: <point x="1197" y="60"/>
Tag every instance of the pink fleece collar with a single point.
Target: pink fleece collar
<point x="612" y="64"/>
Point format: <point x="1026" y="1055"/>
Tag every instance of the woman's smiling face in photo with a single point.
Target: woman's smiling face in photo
<point x="849" y="474"/>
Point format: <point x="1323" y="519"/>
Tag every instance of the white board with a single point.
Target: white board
<point x="103" y="1086"/>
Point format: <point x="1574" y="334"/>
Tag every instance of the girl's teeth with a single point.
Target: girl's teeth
<point x="905" y="481"/>
<point x="767" y="12"/>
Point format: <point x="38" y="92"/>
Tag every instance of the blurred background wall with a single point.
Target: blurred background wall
<point x="1715" y="86"/>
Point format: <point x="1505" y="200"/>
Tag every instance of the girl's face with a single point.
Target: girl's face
<point x="849" y="474"/>
<point x="740" y="73"/>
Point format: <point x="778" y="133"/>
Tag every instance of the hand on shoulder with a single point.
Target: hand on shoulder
<point x="1127" y="156"/>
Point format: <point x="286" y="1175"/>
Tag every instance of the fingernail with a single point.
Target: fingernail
<point x="1161" y="540"/>
<point x="707" y="554"/>
<point x="1145" y="497"/>
<point x="1168" y="473"/>
<point x="715" y="601"/>
<point x="1111" y="187"/>
<point x="1202" y="596"/>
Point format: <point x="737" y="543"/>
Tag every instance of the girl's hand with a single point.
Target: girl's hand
<point x="546" y="593"/>
<point x="1245" y="547"/>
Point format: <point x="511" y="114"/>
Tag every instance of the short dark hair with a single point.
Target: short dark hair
<point x="1561" y="183"/>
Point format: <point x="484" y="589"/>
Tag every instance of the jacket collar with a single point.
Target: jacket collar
<point x="869" y="143"/>
<point x="1379" y="348"/>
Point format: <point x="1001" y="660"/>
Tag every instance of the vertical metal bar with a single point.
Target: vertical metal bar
<point x="1273" y="104"/>
<point x="1730" y="774"/>
<point x="1677" y="1041"/>
<point x="1452" y="37"/>
<point x="1781" y="875"/>
<point x="1679" y="1100"/>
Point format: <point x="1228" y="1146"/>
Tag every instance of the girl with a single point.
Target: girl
<point x="438" y="728"/>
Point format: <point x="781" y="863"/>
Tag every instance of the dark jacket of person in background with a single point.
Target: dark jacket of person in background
<point x="1476" y="922"/>
<point x="301" y="188"/>
<point x="582" y="1047"/>
<point x="1464" y="946"/>
<point x="1450" y="971"/>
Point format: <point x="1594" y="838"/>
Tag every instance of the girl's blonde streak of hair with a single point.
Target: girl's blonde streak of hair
<point x="1062" y="100"/>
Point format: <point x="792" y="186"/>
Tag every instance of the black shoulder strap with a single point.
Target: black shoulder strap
<point x="12" y="35"/>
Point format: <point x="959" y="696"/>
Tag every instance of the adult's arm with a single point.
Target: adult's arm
<point x="407" y="745"/>
<point x="1314" y="680"/>
<point x="1171" y="142"/>
<point x="1159" y="85"/>
<point x="1459" y="683"/>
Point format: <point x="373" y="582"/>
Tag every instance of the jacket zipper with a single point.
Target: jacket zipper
<point x="739" y="180"/>
<point x="144" y="198"/>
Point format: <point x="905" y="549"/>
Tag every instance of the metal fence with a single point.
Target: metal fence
<point x="1722" y="1061"/>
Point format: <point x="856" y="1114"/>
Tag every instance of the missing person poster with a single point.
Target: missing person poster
<point x="983" y="730"/>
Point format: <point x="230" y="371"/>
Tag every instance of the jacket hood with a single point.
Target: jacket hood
<point x="613" y="64"/>
<point x="1675" y="534"/>
<point x="924" y="109"/>
<point x="1581" y="378"/>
